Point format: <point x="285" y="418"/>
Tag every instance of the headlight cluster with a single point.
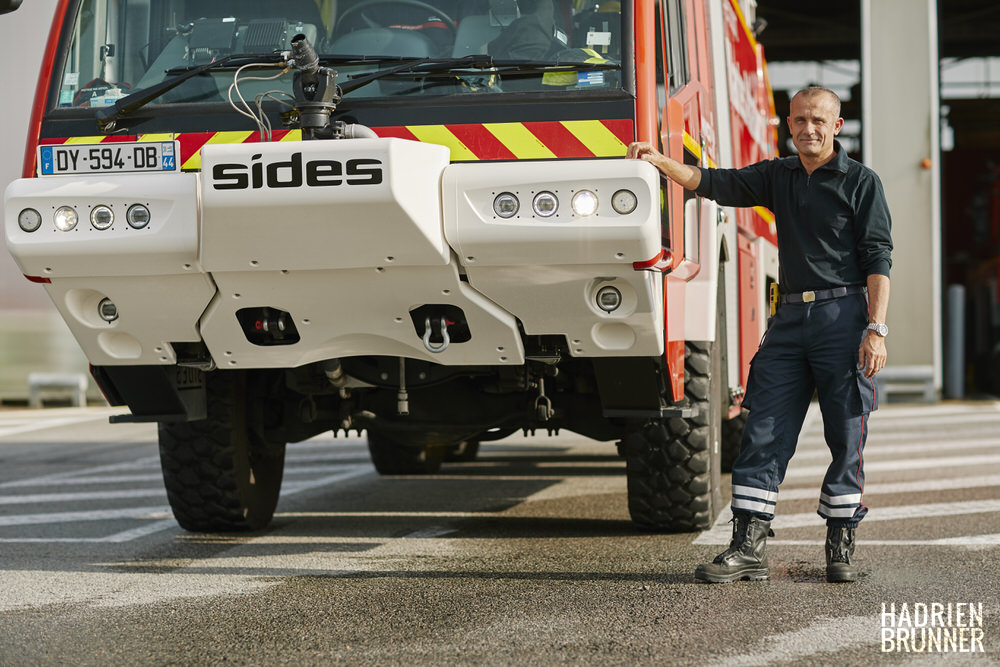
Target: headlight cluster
<point x="545" y="204"/>
<point x="66" y="218"/>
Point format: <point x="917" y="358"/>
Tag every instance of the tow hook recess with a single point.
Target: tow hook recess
<point x="442" y="330"/>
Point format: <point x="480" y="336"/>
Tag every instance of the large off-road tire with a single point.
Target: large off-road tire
<point x="391" y="457"/>
<point x="219" y="475"/>
<point x="673" y="465"/>
<point x="732" y="437"/>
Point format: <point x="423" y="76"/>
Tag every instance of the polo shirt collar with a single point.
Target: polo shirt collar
<point x="838" y="163"/>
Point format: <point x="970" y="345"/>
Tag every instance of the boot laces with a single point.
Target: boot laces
<point x="741" y="541"/>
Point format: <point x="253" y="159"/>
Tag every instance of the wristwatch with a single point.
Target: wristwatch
<point x="880" y="329"/>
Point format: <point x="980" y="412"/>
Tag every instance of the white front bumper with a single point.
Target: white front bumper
<point x="348" y="237"/>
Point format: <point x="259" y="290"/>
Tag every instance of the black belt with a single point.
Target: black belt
<point x="822" y="294"/>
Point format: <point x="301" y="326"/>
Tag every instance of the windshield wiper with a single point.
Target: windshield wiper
<point x="420" y="66"/>
<point x="553" y="66"/>
<point x="486" y="63"/>
<point x="107" y="119"/>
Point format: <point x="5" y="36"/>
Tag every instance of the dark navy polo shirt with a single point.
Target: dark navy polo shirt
<point x="833" y="225"/>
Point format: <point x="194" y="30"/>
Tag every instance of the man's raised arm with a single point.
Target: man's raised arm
<point x="685" y="175"/>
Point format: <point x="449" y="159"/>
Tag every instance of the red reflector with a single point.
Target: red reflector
<point x="661" y="262"/>
<point x="38" y="279"/>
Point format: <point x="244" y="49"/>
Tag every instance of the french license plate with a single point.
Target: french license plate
<point x="115" y="157"/>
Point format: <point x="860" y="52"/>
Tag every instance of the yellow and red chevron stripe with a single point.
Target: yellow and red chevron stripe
<point x="467" y="141"/>
<point x="523" y="141"/>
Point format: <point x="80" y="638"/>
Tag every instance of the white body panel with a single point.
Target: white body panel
<point x="167" y="245"/>
<point x="548" y="270"/>
<point x="701" y="300"/>
<point x="152" y="274"/>
<point x="348" y="237"/>
<point x="724" y="151"/>
<point x="353" y="312"/>
<point x="340" y="224"/>
<point x="153" y="312"/>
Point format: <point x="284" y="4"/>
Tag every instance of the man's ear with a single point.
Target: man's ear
<point x="838" y="126"/>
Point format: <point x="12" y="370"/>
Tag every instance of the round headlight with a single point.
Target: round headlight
<point x="29" y="220"/>
<point x="137" y="216"/>
<point x="545" y="204"/>
<point x="102" y="217"/>
<point x="506" y="205"/>
<point x="609" y="298"/>
<point x="65" y="218"/>
<point x="584" y="203"/>
<point x="624" y="201"/>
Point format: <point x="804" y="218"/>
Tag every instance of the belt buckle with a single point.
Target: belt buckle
<point x="808" y="297"/>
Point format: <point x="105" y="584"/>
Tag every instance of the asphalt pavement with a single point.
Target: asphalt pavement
<point x="524" y="556"/>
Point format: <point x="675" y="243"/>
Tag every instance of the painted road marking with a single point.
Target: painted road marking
<point x="912" y="448"/>
<point x="921" y="486"/>
<point x="800" y="472"/>
<point x="825" y="635"/>
<point x="908" y="448"/>
<point x="308" y="467"/>
<point x="720" y="533"/>
<point x="21" y="421"/>
<point x="35" y="498"/>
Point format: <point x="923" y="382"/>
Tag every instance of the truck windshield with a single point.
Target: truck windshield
<point x="117" y="47"/>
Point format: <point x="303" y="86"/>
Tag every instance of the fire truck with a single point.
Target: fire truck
<point x="263" y="221"/>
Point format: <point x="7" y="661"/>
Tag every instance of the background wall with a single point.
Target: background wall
<point x="32" y="336"/>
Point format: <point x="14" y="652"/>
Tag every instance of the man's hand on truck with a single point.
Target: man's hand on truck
<point x="685" y="175"/>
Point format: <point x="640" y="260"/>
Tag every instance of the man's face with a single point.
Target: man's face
<point x="813" y="123"/>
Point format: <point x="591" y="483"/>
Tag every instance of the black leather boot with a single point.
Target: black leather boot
<point x="840" y="554"/>
<point x="746" y="557"/>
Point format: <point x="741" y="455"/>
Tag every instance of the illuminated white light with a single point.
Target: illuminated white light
<point x="29" y="220"/>
<point x="65" y="218"/>
<point x="137" y="216"/>
<point x="545" y="204"/>
<point x="585" y="203"/>
<point x="102" y="217"/>
<point x="624" y="202"/>
<point x="506" y="205"/>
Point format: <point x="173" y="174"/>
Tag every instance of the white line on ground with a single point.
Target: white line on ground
<point x="909" y="448"/>
<point x="944" y="408"/>
<point x="895" y="513"/>
<point x="797" y="472"/>
<point x="135" y="464"/>
<point x="720" y="532"/>
<point x="83" y="481"/>
<point x="430" y="532"/>
<point x="139" y="513"/>
<point x="26" y="421"/>
<point x="88" y="515"/>
<point x="920" y="486"/>
<point x="34" y="498"/>
<point x="825" y="636"/>
<point x="931" y="418"/>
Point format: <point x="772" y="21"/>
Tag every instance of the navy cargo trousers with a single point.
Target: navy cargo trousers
<point x="807" y="346"/>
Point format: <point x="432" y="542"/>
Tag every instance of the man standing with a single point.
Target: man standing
<point x="834" y="255"/>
